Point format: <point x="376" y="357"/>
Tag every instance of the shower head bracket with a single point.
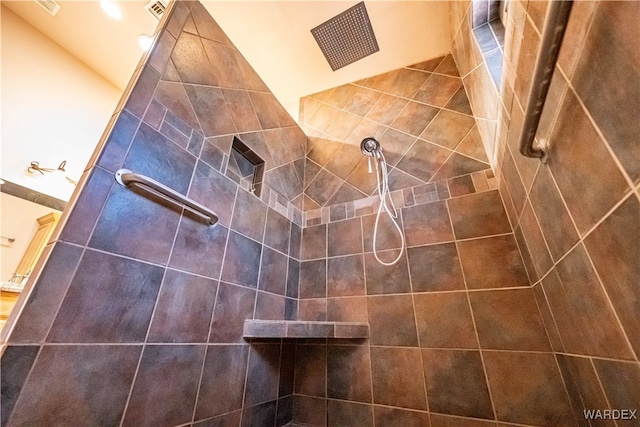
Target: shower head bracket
<point x="370" y="146"/>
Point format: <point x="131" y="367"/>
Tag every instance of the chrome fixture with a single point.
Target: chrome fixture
<point x="371" y="147"/>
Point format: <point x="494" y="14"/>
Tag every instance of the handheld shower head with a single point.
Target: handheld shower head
<point x="370" y="146"/>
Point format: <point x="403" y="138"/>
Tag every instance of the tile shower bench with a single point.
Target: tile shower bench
<point x="304" y="329"/>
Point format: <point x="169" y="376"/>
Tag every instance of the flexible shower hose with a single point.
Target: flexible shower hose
<point x="385" y="201"/>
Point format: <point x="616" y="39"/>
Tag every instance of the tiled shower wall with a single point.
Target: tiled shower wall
<point x="456" y="337"/>
<point x="137" y="315"/>
<point x="577" y="217"/>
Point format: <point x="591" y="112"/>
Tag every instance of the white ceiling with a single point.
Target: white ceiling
<point x="274" y="36"/>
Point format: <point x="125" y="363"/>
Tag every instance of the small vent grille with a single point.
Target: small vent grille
<point x="49" y="5"/>
<point x="156" y="8"/>
<point x="347" y="37"/>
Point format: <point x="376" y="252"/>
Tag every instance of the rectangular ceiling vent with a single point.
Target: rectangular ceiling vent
<point x="156" y="8"/>
<point x="346" y="37"/>
<point x="50" y="6"/>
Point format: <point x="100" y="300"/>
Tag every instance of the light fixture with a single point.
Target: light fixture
<point x="145" y="41"/>
<point x="111" y="9"/>
<point x="35" y="167"/>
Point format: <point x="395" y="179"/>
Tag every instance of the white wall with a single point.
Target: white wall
<point x="19" y="222"/>
<point x="54" y="107"/>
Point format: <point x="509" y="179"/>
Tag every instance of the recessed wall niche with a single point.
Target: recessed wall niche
<point x="245" y="167"/>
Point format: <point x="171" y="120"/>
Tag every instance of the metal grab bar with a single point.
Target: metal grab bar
<point x="552" y="34"/>
<point x="127" y="178"/>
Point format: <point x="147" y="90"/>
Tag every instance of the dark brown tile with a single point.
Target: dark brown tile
<point x="414" y="118"/>
<point x="68" y="373"/>
<point x="222" y="60"/>
<point x="47" y="293"/>
<point x="461" y="185"/>
<point x="435" y="268"/>
<point x="323" y="187"/>
<point x="241" y="261"/>
<point x="249" y="216"/>
<point x="214" y="191"/>
<point x="198" y="248"/>
<point x="397" y="377"/>
<point x="273" y="272"/>
<point x="558" y="229"/>
<point x="312" y="309"/>
<point x="270" y="306"/>
<point x="456" y="384"/>
<point x="349" y="414"/>
<point x="225" y="368"/>
<point x="386" y="108"/>
<point x="592" y="189"/>
<point x="527" y="388"/>
<point x="362" y="101"/>
<point x="184" y="308"/>
<point x="172" y="96"/>
<point x="191" y="62"/>
<point x="230" y="419"/>
<point x="592" y="314"/>
<point x="381" y="82"/>
<point x="167" y="374"/>
<point x="344" y="237"/>
<point x="347" y="309"/>
<point x="438" y="420"/>
<point x="425" y="224"/>
<point x="396" y="417"/>
<point x="309" y="410"/>
<point x="263" y="414"/>
<point x="262" y="373"/>
<point x="583" y="388"/>
<point x="392" y="321"/>
<point x="124" y="222"/>
<point x="313" y="279"/>
<point x="206" y="26"/>
<point x="234" y="304"/>
<point x="407" y="82"/>
<point x="547" y="318"/>
<point x="492" y="262"/>
<point x="341" y="95"/>
<point x="311" y="370"/>
<point x="423" y="160"/>
<point x="345" y="276"/>
<point x="614" y="251"/>
<point x="471" y="146"/>
<point x="383" y="279"/>
<point x="349" y="373"/>
<point x="387" y="235"/>
<point x="526" y="61"/>
<point x="448" y="128"/>
<point x="342" y="126"/>
<point x="16" y="364"/>
<point x="459" y="102"/>
<point x="394" y="145"/>
<point x="293" y="278"/>
<point x="277" y="231"/>
<point x="444" y="321"/>
<point x="142" y="91"/>
<point x="447" y="66"/>
<point x="287" y="369"/>
<point x="480" y="214"/>
<point x="457" y="165"/>
<point x="610" y="54"/>
<point x="106" y="312"/>
<point x="211" y="110"/>
<point x="536" y="243"/>
<point x="439" y="89"/>
<point x="295" y="241"/>
<point x="620" y="382"/>
<point x="118" y="142"/>
<point x="508" y="320"/>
